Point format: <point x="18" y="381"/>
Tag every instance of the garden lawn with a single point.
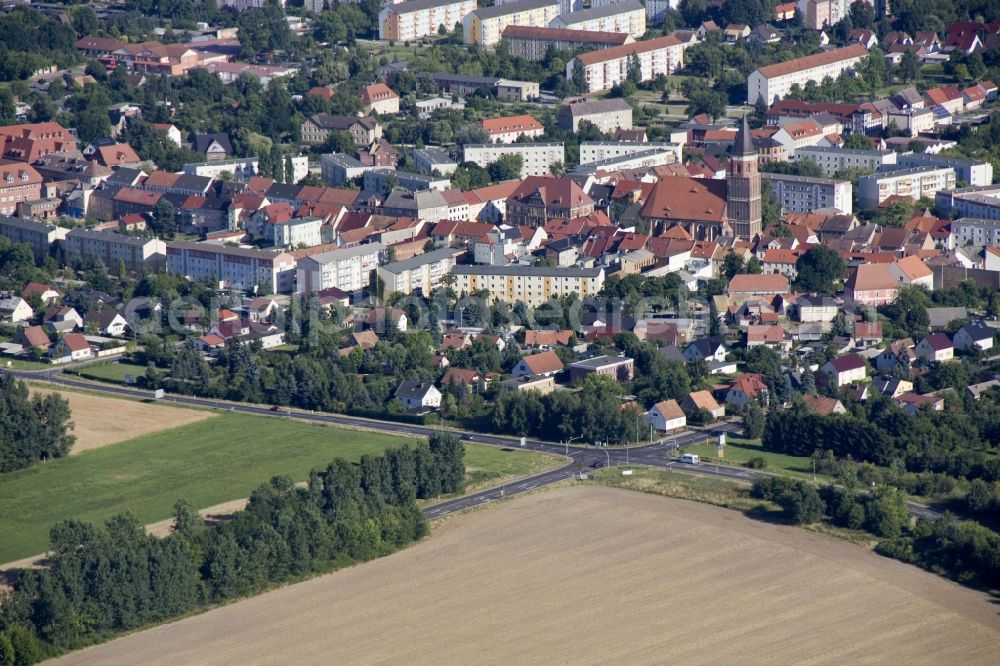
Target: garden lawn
<point x="207" y="463"/>
<point x="738" y="451"/>
<point x="112" y="372"/>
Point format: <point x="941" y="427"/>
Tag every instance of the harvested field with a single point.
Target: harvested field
<point x="594" y="575"/>
<point x="101" y="421"/>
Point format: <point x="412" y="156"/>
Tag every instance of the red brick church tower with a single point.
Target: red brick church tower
<point x="743" y="186"/>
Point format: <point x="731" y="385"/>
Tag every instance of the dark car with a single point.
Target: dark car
<point x="597" y="464"/>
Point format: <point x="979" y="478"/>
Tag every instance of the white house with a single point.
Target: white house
<point x="72" y="347"/>
<point x="418" y="395"/>
<point x="844" y="370"/>
<point x="974" y="334"/>
<point x="935" y="347"/>
<point x="666" y="416"/>
<point x="15" y="309"/>
<point x="106" y="322"/>
<point x="546" y="364"/>
<point x="706" y="349"/>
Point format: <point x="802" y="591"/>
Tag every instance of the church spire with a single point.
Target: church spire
<point x="743" y="147"/>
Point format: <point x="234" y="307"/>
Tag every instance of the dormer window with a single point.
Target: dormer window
<point x="9" y="178"/>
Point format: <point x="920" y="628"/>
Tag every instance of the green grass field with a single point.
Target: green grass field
<point x="738" y="451"/>
<point x="207" y="463"/>
<point x="18" y="364"/>
<point x="112" y="372"/>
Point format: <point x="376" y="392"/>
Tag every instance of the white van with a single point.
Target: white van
<point x="689" y="458"/>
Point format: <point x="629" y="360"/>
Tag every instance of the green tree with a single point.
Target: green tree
<point x="507" y="167"/>
<point x="819" y="270"/>
<point x="753" y="420"/>
<point x="856" y="141"/>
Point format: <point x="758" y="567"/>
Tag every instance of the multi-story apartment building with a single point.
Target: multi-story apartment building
<point x="422" y="273"/>
<point x="978" y="232"/>
<point x="348" y="269"/>
<point x="914" y="183"/>
<point x="297" y="232"/>
<point x="536" y="158"/>
<point x="596" y="151"/>
<point x="168" y="59"/>
<point x="429" y="160"/>
<point x="114" y="249"/>
<point x="33" y="234"/>
<point x="532" y="285"/>
<point x="628" y="16"/>
<point x="239" y="268"/>
<point x="485" y="26"/>
<point x="509" y="129"/>
<point x="801" y="194"/>
<point x="606" y="115"/>
<point x="971" y="202"/>
<point x="534" y="43"/>
<point x="379" y="180"/>
<point x="19" y="182"/>
<point x="605" y="68"/>
<point x="772" y="82"/>
<point x="644" y="158"/>
<point x="970" y="172"/>
<point x="241" y="169"/>
<point x="421" y="18"/>
<point x="831" y="160"/>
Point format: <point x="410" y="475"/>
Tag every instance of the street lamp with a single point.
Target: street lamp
<point x="567" y="443"/>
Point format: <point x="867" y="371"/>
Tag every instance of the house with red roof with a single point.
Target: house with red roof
<point x="508" y="129"/>
<point x="71" y="347"/>
<point x="546" y="363"/>
<point x="380" y="99"/>
<point x="749" y="385"/>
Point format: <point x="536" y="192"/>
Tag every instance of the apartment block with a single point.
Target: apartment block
<point x="772" y="82"/>
<point x="422" y="273"/>
<point x="607" y="115"/>
<point x="348" y="269"/>
<point x="411" y="20"/>
<point x="238" y="268"/>
<point x="241" y="169"/>
<point x="19" y="182"/>
<point x="34" y="234"/>
<point x="597" y="151"/>
<point x="485" y="26"/>
<point x="378" y="180"/>
<point x="605" y="68"/>
<point x="801" y="194"/>
<point x="532" y="285"/>
<point x="913" y="183"/>
<point x="534" y="43"/>
<point x="114" y="249"/>
<point x="297" y="232"/>
<point x="628" y="17"/>
<point x="831" y="160"/>
<point x="643" y="159"/>
<point x="971" y="202"/>
<point x="537" y="158"/>
<point x="977" y="232"/>
<point x="970" y="172"/>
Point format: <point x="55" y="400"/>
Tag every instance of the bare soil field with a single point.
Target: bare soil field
<point x="101" y="421"/>
<point x="594" y="575"/>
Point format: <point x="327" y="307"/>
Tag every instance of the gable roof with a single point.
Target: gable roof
<point x="767" y="283"/>
<point x="847" y="362"/>
<point x="669" y="410"/>
<point x="703" y="400"/>
<point x="937" y="341"/>
<point x="817" y="60"/>
<point x="544" y="362"/>
<point x="503" y="125"/>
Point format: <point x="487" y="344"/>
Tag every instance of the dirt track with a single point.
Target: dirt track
<point x="101" y="421"/>
<point x="594" y="575"/>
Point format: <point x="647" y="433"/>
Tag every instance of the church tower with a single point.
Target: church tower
<point x="743" y="186"/>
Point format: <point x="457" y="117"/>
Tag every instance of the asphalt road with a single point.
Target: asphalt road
<point x="661" y="453"/>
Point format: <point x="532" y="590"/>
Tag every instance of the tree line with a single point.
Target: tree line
<point x="32" y="428"/>
<point x="950" y="442"/>
<point x="107" y="579"/>
<point x="963" y="550"/>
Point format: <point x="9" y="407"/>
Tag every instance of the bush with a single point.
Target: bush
<point x="757" y="462"/>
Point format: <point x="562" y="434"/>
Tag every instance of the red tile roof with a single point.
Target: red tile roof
<point x="817" y="60"/>
<point x="507" y="124"/>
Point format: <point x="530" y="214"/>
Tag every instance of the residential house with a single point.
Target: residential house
<point x="380" y="99"/>
<point x="109" y="323"/>
<point x="891" y="387"/>
<point x="872" y="285"/>
<point x="546" y="363"/>
<point x="772" y="336"/>
<point x="705" y="349"/>
<point x="666" y="416"/>
<point x="418" y="396"/>
<point x="32" y="337"/>
<point x="974" y="334"/>
<point x="509" y="129"/>
<point x="935" y="347"/>
<point x="44" y="292"/>
<point x="214" y="147"/>
<point x="899" y="354"/>
<point x="71" y="347"/>
<point x="844" y="370"/>
<point x="823" y="406"/>
<point x="748" y="386"/>
<point x="703" y="400"/>
<point x="14" y="309"/>
<point x="911" y="403"/>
